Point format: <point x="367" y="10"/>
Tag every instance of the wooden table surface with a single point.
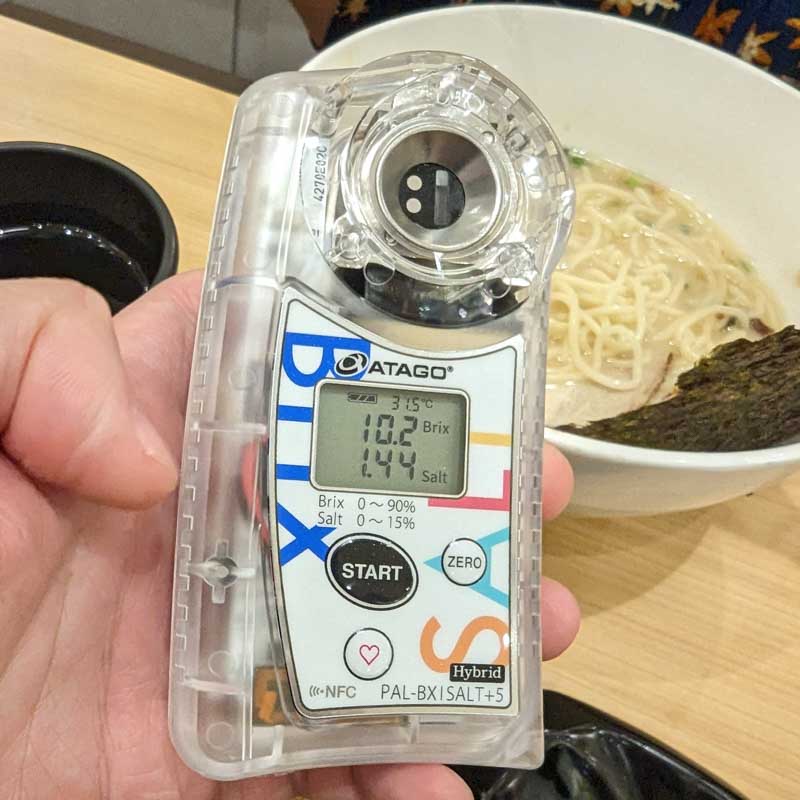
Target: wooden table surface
<point x="691" y="625"/>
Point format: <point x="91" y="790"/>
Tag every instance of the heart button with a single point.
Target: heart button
<point x="369" y="653"/>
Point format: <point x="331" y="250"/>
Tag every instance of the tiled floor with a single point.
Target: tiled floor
<point x="249" y="38"/>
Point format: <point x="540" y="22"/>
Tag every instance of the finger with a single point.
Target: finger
<point x="400" y="781"/>
<point x="373" y="782"/>
<point x="156" y="338"/>
<point x="561" y="618"/>
<point x="557" y="482"/>
<point x="66" y="415"/>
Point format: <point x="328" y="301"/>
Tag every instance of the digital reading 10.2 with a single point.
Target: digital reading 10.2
<point x="381" y="438"/>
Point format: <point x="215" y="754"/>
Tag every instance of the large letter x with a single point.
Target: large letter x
<point x="304" y="538"/>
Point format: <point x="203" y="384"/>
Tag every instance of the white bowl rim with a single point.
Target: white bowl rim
<point x="570" y="443"/>
<point x="597" y="17"/>
<point x="574" y="444"/>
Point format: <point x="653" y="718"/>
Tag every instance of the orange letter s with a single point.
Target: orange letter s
<point x="468" y="634"/>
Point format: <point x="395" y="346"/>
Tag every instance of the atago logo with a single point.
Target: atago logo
<point x="355" y="363"/>
<point x="438" y="373"/>
<point x="351" y="364"/>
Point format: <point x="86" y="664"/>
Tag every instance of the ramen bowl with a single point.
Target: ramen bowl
<point x="692" y="118"/>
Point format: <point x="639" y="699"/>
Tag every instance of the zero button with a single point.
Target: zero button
<point x="464" y="562"/>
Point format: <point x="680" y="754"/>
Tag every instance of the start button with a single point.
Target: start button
<point x="371" y="571"/>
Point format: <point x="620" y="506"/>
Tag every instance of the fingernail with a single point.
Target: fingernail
<point x="153" y="445"/>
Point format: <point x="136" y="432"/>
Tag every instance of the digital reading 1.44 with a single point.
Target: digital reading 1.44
<point x="384" y="438"/>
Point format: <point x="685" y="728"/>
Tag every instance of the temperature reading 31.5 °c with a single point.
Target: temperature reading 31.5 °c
<point x="384" y="438"/>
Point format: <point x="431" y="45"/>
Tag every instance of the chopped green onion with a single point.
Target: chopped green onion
<point x="685" y="229"/>
<point x="632" y="182"/>
<point x="577" y="160"/>
<point x="745" y="265"/>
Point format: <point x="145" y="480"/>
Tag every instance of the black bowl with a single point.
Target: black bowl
<point x="589" y="755"/>
<point x="71" y="213"/>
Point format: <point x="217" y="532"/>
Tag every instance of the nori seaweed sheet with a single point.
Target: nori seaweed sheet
<point x="742" y="396"/>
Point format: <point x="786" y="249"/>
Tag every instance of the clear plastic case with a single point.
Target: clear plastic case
<point x="380" y="254"/>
